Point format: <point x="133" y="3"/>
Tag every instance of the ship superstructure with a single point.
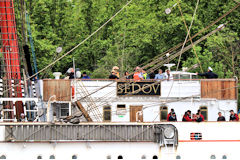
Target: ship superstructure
<point x="111" y="119"/>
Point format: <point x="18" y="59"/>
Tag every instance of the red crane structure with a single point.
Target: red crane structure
<point x="11" y="74"/>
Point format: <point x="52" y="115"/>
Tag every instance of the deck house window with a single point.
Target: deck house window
<point x="204" y="112"/>
<point x="107" y="116"/>
<point x="64" y="110"/>
<point x="121" y="109"/>
<point x="163" y="113"/>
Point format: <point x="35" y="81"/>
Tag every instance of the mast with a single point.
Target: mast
<point x="10" y="51"/>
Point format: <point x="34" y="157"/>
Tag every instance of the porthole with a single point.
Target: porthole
<point x="155" y="157"/>
<point x="39" y="157"/>
<point x="143" y="157"/>
<point x="52" y="157"/>
<point x="224" y="157"/>
<point x="74" y="157"/>
<point x="120" y="157"/>
<point x="3" y="157"/>
<point x="109" y="157"/>
<point x="178" y="157"/>
<point x="213" y="157"/>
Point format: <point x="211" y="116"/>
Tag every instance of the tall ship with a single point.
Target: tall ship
<point x="113" y="118"/>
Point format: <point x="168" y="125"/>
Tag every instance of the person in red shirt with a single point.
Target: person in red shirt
<point x="200" y="114"/>
<point x="138" y="75"/>
<point x="187" y="116"/>
<point x="169" y="114"/>
<point x="233" y="116"/>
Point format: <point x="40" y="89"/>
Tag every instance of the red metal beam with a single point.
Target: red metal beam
<point x="10" y="50"/>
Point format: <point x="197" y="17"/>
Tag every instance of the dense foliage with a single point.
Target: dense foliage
<point x="138" y="34"/>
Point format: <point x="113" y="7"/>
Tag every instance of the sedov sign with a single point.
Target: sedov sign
<point x="138" y="88"/>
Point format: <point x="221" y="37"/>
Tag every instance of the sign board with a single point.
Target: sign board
<point x="139" y="88"/>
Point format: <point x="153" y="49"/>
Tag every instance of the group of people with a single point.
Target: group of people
<point x="233" y="116"/>
<point x="141" y="74"/>
<point x="71" y="75"/>
<point x="198" y="117"/>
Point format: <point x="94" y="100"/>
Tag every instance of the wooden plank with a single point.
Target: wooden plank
<point x="226" y="90"/>
<point x="219" y="92"/>
<point x="210" y="89"/>
<point x="232" y="94"/>
<point x="84" y="112"/>
<point x="203" y="91"/>
<point x="132" y="114"/>
<point x="60" y="88"/>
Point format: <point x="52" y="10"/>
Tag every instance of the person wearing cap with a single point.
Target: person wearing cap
<point x="113" y="75"/>
<point x="116" y="69"/>
<point x="22" y="118"/>
<point x="209" y="74"/>
<point x="233" y="116"/>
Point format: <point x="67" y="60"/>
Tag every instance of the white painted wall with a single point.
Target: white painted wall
<point x="172" y="92"/>
<point x="219" y="138"/>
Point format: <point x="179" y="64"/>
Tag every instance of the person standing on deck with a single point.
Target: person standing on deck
<point x="220" y="117"/>
<point x="85" y="76"/>
<point x="113" y="75"/>
<point x="127" y="75"/>
<point x="116" y="69"/>
<point x="169" y="114"/>
<point x="233" y="116"/>
<point x="173" y="117"/>
<point x="138" y="74"/>
<point x="168" y="75"/>
<point x="200" y="114"/>
<point x="145" y="75"/>
<point x="160" y="75"/>
<point x="209" y="74"/>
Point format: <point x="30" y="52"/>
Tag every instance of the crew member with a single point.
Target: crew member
<point x="209" y="74"/>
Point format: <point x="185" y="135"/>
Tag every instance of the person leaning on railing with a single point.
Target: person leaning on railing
<point x="209" y="74"/>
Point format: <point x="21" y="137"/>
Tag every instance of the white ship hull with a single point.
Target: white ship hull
<point x="219" y="141"/>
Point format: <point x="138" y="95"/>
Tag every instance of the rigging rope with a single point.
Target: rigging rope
<point x="188" y="32"/>
<point x="179" y="6"/>
<point x="201" y="31"/>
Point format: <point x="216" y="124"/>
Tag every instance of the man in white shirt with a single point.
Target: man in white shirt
<point x="168" y="75"/>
